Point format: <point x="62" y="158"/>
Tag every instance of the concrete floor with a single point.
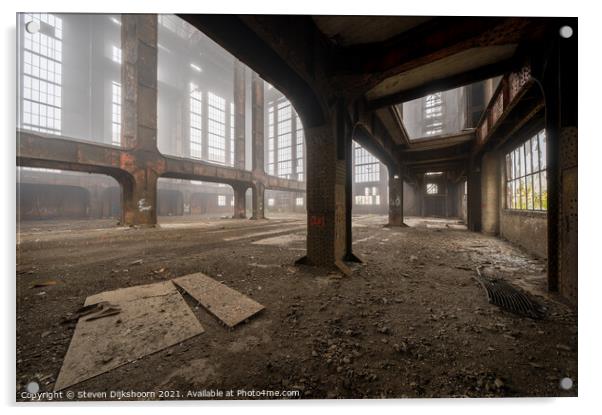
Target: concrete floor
<point x="410" y="322"/>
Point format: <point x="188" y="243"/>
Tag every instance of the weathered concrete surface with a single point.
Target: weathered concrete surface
<point x="490" y="193"/>
<point x="526" y="229"/>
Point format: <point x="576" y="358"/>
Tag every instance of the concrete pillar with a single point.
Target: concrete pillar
<point x="327" y="211"/>
<point x="560" y="91"/>
<point x="257" y="146"/>
<point x="420" y="195"/>
<point x="258" y="190"/>
<point x="395" y="198"/>
<point x="490" y="193"/>
<point x="239" y="115"/>
<point x="474" y="196"/>
<point x="139" y="81"/>
<point x="257" y="119"/>
<point x="139" y="119"/>
<point x="240" y="201"/>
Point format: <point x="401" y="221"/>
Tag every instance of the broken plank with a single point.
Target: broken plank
<point x="227" y="304"/>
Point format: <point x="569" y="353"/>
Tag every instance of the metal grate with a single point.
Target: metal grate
<point x="504" y="295"/>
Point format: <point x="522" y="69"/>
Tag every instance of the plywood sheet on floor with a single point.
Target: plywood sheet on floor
<point x="228" y="305"/>
<point x="153" y="317"/>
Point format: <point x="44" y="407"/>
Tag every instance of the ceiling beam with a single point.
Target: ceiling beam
<point x="444" y="84"/>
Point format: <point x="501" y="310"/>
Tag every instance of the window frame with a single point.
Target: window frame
<point x="41" y="59"/>
<point x="525" y="175"/>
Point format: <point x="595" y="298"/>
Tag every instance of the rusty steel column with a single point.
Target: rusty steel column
<point x="139" y="119"/>
<point x="395" y="198"/>
<point x="239" y="115"/>
<point x="240" y="201"/>
<point x="257" y="146"/>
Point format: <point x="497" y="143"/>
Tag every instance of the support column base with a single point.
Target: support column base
<point x="401" y="225"/>
<point x="338" y="265"/>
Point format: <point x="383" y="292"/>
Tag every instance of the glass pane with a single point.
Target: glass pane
<point x="436" y="114"/>
<point x="508" y="168"/>
<point x="512" y="166"/>
<point x="544" y="191"/>
<point x="529" y="192"/>
<point x="535" y="153"/>
<point x="508" y="193"/>
<point x="528" y="157"/>
<point x="517" y="194"/>
<point x="521" y="152"/>
<point x="523" y="193"/>
<point x="542" y="149"/>
<point x="536" y="192"/>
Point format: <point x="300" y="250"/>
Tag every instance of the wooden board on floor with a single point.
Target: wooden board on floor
<point x="153" y="317"/>
<point x="228" y="305"/>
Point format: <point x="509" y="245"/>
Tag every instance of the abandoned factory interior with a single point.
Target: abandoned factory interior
<point x="324" y="206"/>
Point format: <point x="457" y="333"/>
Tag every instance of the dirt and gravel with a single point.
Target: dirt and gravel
<point x="411" y="321"/>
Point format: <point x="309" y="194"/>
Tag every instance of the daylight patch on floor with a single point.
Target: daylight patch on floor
<point x="282" y="239"/>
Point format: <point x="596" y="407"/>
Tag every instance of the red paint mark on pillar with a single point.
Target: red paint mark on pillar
<point x="316" y="220"/>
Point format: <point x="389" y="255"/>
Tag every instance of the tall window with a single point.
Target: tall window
<point x="284" y="134"/>
<point x="176" y="25"/>
<point x="271" y="132"/>
<point x="370" y="197"/>
<point x="367" y="167"/>
<point x="432" y="189"/>
<point x="232" y="137"/>
<point x="116" y="54"/>
<point x="299" y="149"/>
<point x="526" y="181"/>
<point x="42" y="73"/>
<point x="216" y="125"/>
<point x="433" y="114"/>
<point x="196" y="122"/>
<point x="116" y="113"/>
<point x="285" y="164"/>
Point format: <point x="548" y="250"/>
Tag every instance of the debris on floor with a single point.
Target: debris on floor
<point x="42" y="284"/>
<point x="93" y="312"/>
<point x="228" y="305"/>
<point x="139" y="328"/>
<point x="393" y="329"/>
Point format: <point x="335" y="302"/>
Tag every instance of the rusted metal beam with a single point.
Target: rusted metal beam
<point x="63" y="153"/>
